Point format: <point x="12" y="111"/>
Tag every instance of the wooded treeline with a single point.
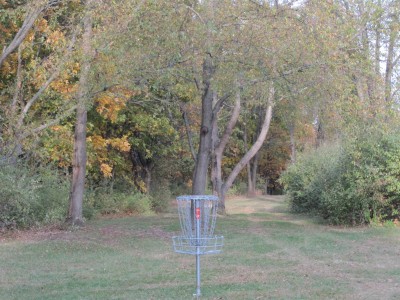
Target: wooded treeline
<point x="126" y="102"/>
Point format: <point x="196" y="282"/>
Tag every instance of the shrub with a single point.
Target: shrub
<point x="105" y="202"/>
<point x="53" y="197"/>
<point x="305" y="181"/>
<point x="138" y="203"/>
<point x="30" y="198"/>
<point x="17" y="197"/>
<point x="350" y="184"/>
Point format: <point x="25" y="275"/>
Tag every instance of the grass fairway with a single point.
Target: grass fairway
<point x="268" y="254"/>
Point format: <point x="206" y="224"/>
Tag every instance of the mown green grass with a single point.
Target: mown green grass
<point x="269" y="254"/>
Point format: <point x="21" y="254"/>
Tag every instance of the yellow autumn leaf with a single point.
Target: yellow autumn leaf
<point x="121" y="144"/>
<point x="98" y="142"/>
<point x="106" y="170"/>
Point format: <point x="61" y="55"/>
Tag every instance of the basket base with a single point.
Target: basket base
<point x="201" y="246"/>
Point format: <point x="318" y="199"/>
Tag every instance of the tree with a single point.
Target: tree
<point x="33" y="11"/>
<point x="75" y="216"/>
<point x="37" y="80"/>
<point x="219" y="186"/>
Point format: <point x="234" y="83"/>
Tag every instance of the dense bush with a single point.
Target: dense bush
<point x="30" y="198"/>
<point x="105" y="202"/>
<point x="39" y="196"/>
<point x="354" y="183"/>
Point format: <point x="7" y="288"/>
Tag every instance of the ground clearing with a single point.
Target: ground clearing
<point x="269" y="254"/>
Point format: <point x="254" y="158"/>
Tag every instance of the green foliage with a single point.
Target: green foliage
<point x="106" y="202"/>
<point x="239" y="188"/>
<point x="160" y="195"/>
<point x="356" y="183"/>
<point x="53" y="195"/>
<point x="17" y="196"/>
<point x="31" y="198"/>
<point x="303" y="181"/>
<point x="138" y="203"/>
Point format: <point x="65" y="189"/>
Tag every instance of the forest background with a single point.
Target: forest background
<point x="109" y="106"/>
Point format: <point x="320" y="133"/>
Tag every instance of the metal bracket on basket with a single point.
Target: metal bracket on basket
<point x="212" y="245"/>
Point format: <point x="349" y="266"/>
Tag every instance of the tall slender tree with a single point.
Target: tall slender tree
<point x="75" y="216"/>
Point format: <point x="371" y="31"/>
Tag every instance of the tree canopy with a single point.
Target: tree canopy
<point x="187" y="96"/>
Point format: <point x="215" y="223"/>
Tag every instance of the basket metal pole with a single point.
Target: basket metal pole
<point x="198" y="232"/>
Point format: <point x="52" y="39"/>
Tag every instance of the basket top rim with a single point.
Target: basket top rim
<point x="197" y="197"/>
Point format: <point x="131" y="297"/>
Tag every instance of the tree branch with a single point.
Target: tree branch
<point x="53" y="76"/>
<point x="195" y="12"/>
<point x="396" y="60"/>
<point x="55" y="121"/>
<point x="257" y="145"/>
<point x="18" y="84"/>
<point x="188" y="133"/>
<point x="30" y="19"/>
<point x="219" y="103"/>
<point x="219" y="149"/>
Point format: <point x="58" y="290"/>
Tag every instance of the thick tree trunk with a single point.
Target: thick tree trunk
<point x="205" y="144"/>
<point x="79" y="168"/>
<point x="75" y="216"/>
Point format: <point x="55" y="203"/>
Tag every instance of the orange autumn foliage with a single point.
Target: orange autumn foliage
<point x="101" y="147"/>
<point x="112" y="101"/>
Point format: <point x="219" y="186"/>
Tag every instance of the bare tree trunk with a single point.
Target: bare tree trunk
<point x="252" y="152"/>
<point x="393" y="34"/>
<point x="220" y="147"/>
<point x="215" y="163"/>
<point x="205" y="145"/>
<point x="75" y="216"/>
<point x="254" y="170"/>
<point x="378" y="30"/>
<point x="253" y="163"/>
<point x="250" y="185"/>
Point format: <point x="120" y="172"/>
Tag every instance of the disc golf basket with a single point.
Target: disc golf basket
<point x="197" y="216"/>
